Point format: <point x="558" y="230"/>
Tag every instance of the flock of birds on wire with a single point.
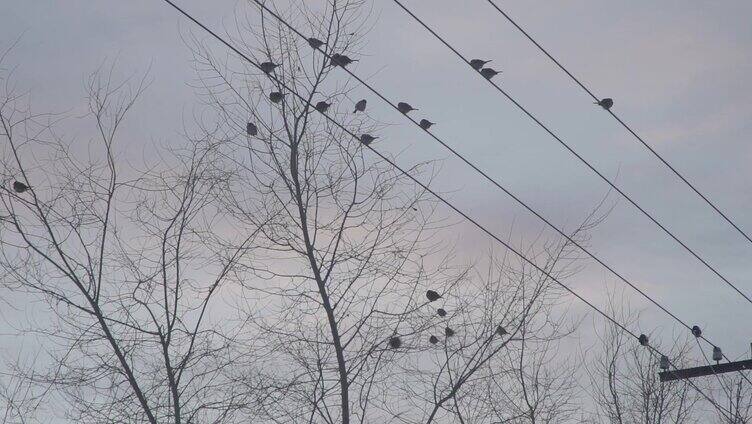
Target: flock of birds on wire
<point x="395" y="342"/>
<point x="341" y="60"/>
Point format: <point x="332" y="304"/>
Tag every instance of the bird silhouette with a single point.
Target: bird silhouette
<point x="696" y="331"/>
<point x="19" y="187"/>
<point x="360" y="106"/>
<point x="432" y="295"/>
<point x="405" y="107"/>
<point x="643" y="339"/>
<point x="367" y="139"/>
<point x="501" y="330"/>
<point x="489" y="73"/>
<point x="322" y="106"/>
<point x="477" y="64"/>
<point x="315" y="43"/>
<point x="395" y="342"/>
<point x="340" y="60"/>
<point x="276" y="96"/>
<point x="433" y="339"/>
<point x="426" y="124"/>
<point x="268" y="67"/>
<point x="441" y="312"/>
<point x="251" y="129"/>
<point x="448" y="332"/>
<point x="606" y="103"/>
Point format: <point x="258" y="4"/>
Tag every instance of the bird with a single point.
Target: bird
<point x="643" y="339"/>
<point x="432" y="296"/>
<point x="322" y="106"/>
<point x="426" y="124"/>
<point x="251" y="129"/>
<point x="606" y="103"/>
<point x="19" y="187"/>
<point x="360" y="106"/>
<point x="501" y="330"/>
<point x="441" y="312"/>
<point x="477" y="64"/>
<point x="433" y="339"/>
<point x="268" y="67"/>
<point x="405" y="107"/>
<point x="696" y="331"/>
<point x="341" y="60"/>
<point x="448" y="332"/>
<point x="315" y="43"/>
<point x="276" y="96"/>
<point x="367" y="139"/>
<point x="395" y="342"/>
<point x="489" y="73"/>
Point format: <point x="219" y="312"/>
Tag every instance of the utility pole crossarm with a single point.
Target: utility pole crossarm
<point x="706" y="370"/>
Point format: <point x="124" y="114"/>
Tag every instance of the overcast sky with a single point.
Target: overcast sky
<point x="679" y="73"/>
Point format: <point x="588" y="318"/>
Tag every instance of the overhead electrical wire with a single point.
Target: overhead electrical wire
<point x="580" y="158"/>
<point x="437" y="196"/>
<point x="494" y="182"/>
<point x="623" y="124"/>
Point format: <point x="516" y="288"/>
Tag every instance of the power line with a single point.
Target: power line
<point x="493" y="181"/>
<point x="623" y="124"/>
<point x="581" y="159"/>
<point x="436" y="195"/>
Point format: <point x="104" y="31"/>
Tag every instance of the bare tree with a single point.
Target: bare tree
<point x="731" y="391"/>
<point x="334" y="290"/>
<point x="270" y="269"/>
<point x="624" y="380"/>
<point x="515" y="374"/>
<point x="127" y="261"/>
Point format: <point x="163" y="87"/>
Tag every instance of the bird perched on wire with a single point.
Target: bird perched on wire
<point x="405" y="107"/>
<point x="606" y="103"/>
<point x="489" y="73"/>
<point x="315" y="43"/>
<point x="426" y="124"/>
<point x="432" y="295"/>
<point x="268" y="67"/>
<point x="340" y="60"/>
<point x="477" y="64"/>
<point x="643" y="339"/>
<point x="696" y="331"/>
<point x="251" y="129"/>
<point x="367" y="139"/>
<point x="501" y="330"/>
<point x="276" y="96"/>
<point x="441" y="312"/>
<point x="433" y="339"/>
<point x="395" y="342"/>
<point x="360" y="106"/>
<point x="448" y="332"/>
<point x="322" y="106"/>
<point x="19" y="187"/>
